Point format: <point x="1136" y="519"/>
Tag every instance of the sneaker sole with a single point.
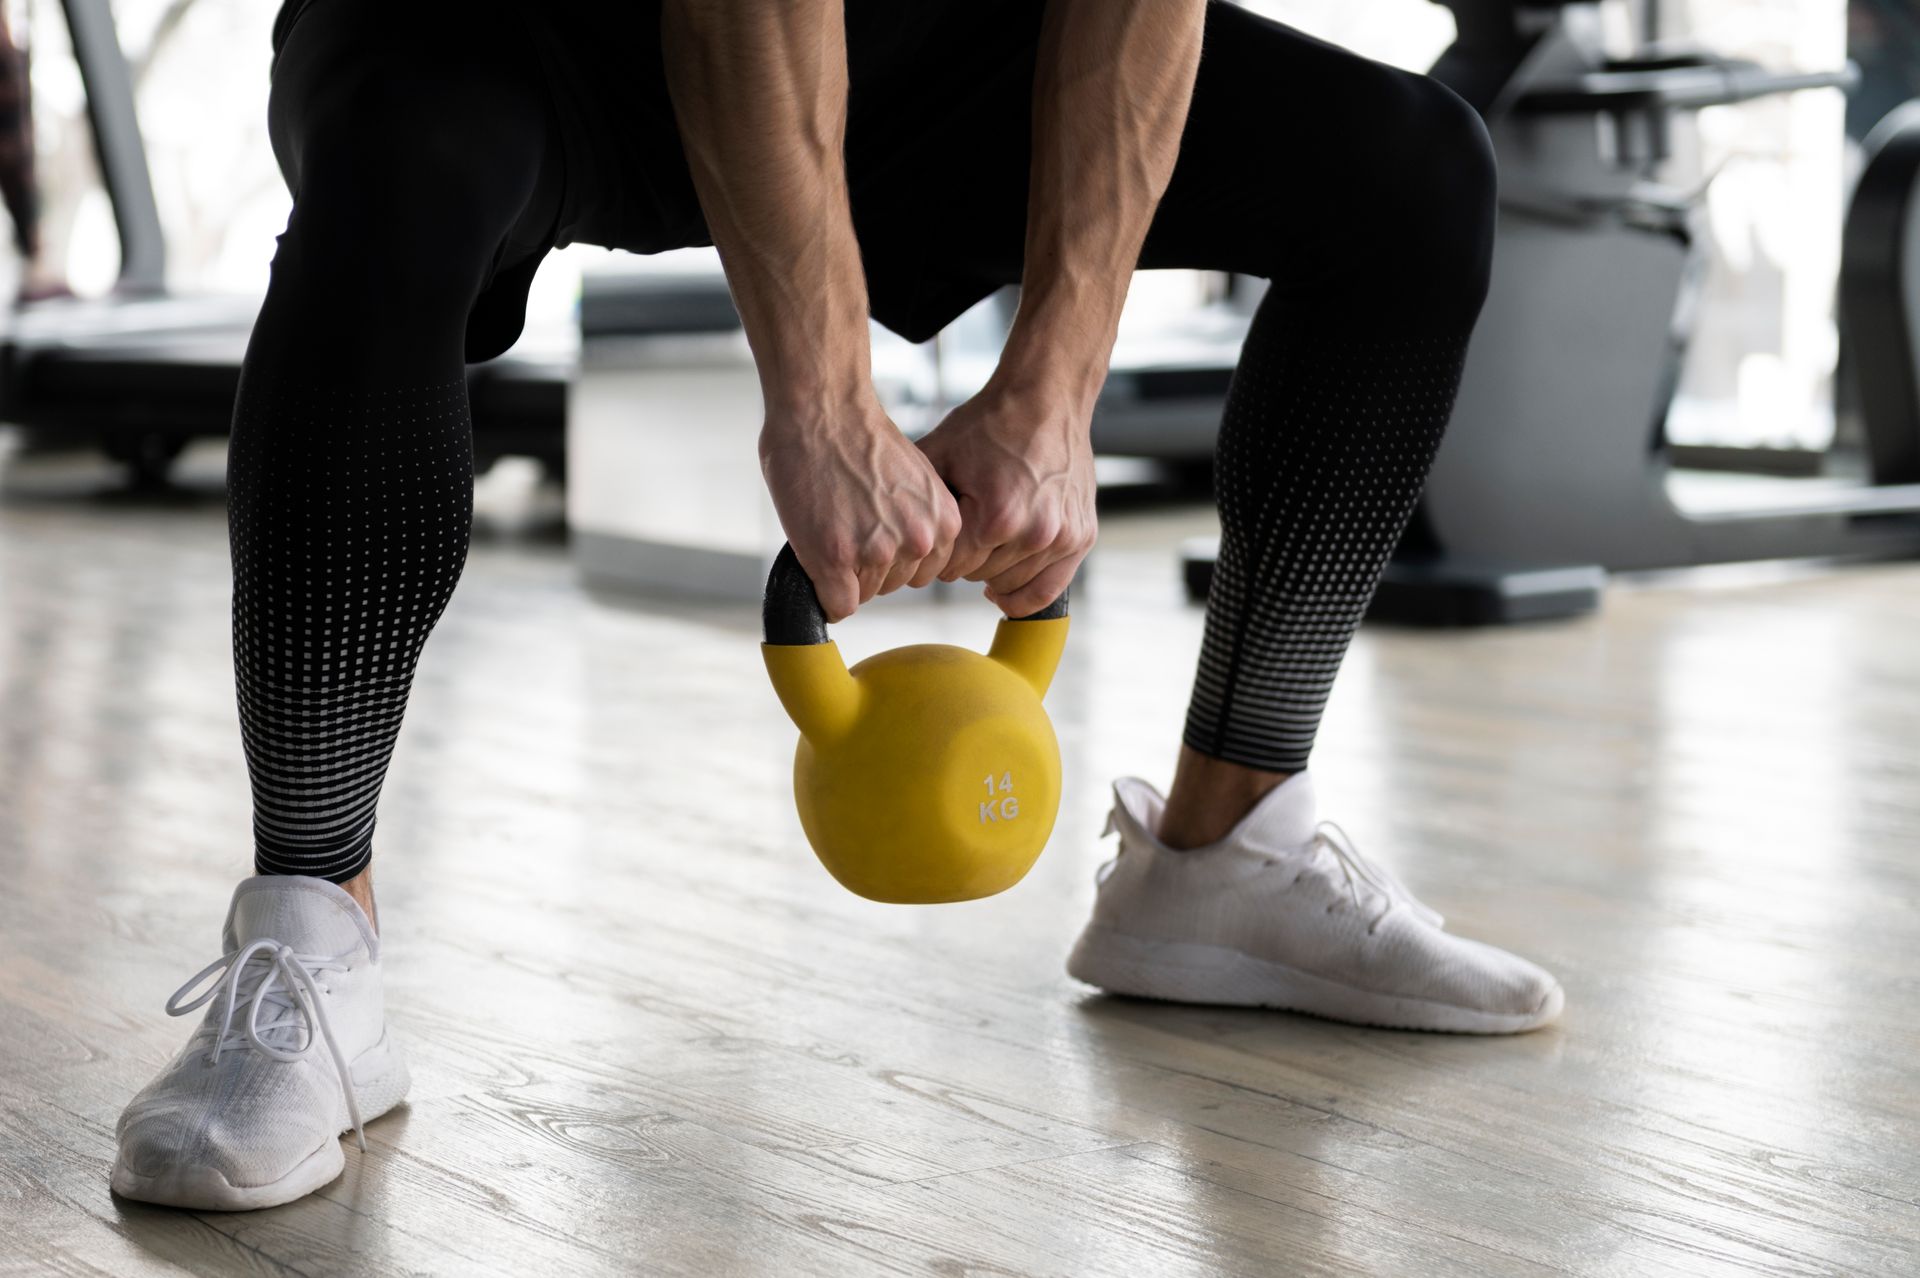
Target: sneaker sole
<point x="380" y="1082"/>
<point x="1190" y="972"/>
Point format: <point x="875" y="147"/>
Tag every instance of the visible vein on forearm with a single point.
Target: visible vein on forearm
<point x="1111" y="91"/>
<point x="760" y="93"/>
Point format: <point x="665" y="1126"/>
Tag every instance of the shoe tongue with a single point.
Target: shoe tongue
<point x="311" y="915"/>
<point x="1283" y="821"/>
<point x="1140" y="802"/>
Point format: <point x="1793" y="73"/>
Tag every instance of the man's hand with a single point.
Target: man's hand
<point x="864" y="509"/>
<point x="1023" y="469"/>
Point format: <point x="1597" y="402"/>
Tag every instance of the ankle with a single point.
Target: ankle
<point x="360" y="888"/>
<point x="1208" y="799"/>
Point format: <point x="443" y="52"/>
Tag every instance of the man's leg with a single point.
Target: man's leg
<point x="413" y="152"/>
<point x="350" y="473"/>
<point x="1372" y="214"/>
<point x="1326" y="439"/>
<point x="1365" y="195"/>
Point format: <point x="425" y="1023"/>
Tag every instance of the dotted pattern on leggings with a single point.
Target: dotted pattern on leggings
<point x="1324" y="445"/>
<point x="349" y="513"/>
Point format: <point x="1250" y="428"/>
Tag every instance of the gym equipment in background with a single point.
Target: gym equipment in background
<point x="1558" y="458"/>
<point x="141" y="373"/>
<point x="925" y="774"/>
<point x="647" y="387"/>
<point x="1556" y="467"/>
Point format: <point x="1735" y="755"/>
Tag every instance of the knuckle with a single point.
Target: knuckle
<point x="1000" y="527"/>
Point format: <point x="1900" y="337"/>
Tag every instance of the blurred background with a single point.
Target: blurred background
<point x="1781" y="166"/>
<point x="1758" y="383"/>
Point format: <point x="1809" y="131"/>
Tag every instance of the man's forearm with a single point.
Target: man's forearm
<point x="1111" y="91"/>
<point x="760" y="92"/>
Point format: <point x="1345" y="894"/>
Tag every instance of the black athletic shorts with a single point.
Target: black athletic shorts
<point x="921" y="75"/>
<point x="1300" y="162"/>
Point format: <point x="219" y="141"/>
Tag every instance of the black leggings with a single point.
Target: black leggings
<point x="430" y="162"/>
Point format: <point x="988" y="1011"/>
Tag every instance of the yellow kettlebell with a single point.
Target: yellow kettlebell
<point x="927" y="773"/>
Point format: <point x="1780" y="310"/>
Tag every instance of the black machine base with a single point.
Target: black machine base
<point x="1456" y="594"/>
<point x="1449" y="593"/>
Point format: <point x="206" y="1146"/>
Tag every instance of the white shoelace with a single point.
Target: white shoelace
<point x="1358" y="869"/>
<point x="284" y="981"/>
<point x="1354" y="867"/>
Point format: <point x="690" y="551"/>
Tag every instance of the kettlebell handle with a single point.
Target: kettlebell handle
<point x="791" y="614"/>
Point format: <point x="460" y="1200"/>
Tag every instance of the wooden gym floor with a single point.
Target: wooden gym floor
<point x="650" y="1035"/>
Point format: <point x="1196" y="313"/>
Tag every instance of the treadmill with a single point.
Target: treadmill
<point x="141" y="373"/>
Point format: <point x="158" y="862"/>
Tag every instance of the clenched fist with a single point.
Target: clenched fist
<point x="864" y="509"/>
<point x="1023" y="468"/>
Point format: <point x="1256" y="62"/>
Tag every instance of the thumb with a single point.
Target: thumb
<point x="839" y="595"/>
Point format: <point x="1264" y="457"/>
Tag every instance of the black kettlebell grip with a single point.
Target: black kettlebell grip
<point x="791" y="616"/>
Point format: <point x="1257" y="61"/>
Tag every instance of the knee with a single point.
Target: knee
<point x="392" y="244"/>
<point x="401" y="196"/>
<point x="405" y="228"/>
<point x="1434" y="220"/>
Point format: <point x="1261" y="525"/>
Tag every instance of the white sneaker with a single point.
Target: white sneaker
<point x="1285" y="913"/>
<point x="250" y="1112"/>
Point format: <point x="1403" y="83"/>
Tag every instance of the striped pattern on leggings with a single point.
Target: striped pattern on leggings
<point x="1325" y="442"/>
<point x="349" y="514"/>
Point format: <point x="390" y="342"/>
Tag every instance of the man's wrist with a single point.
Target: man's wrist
<point x="807" y="411"/>
<point x="1061" y="341"/>
<point x="809" y="400"/>
<point x="1057" y="381"/>
<point x="819" y="384"/>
